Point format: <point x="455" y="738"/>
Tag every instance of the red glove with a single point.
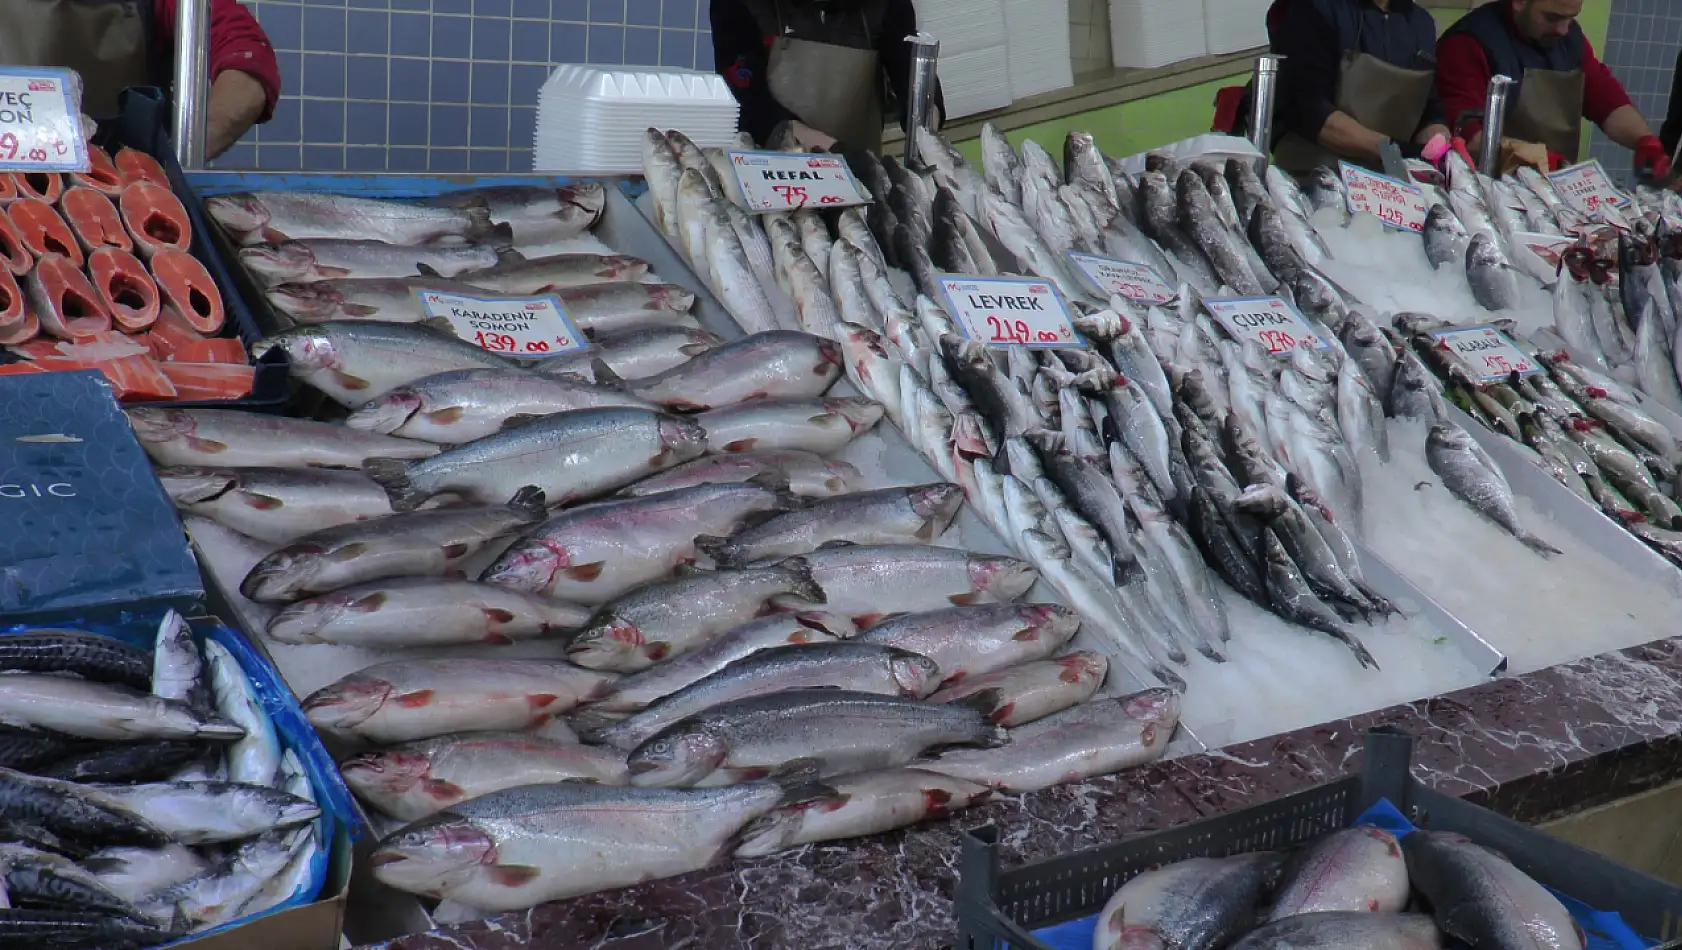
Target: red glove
<point x="1556" y="161"/>
<point x="1459" y="145"/>
<point x="1650" y="158"/>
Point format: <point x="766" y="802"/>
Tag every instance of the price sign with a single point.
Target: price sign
<point x="781" y="181"/>
<point x="1398" y="204"/>
<point x="1136" y="282"/>
<point x="1008" y="311"/>
<point x="526" y="327"/>
<point x="1587" y="188"/>
<point x="1486" y="353"/>
<point x="1269" y="321"/>
<point x="40" y="122"/>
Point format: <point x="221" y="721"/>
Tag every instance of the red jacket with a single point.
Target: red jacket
<point x="1463" y="80"/>
<point x="236" y="42"/>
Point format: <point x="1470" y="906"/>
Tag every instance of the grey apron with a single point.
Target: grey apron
<point x="1549" y="110"/>
<point x="834" y="89"/>
<point x="1388" y="99"/>
<point x="106" y="41"/>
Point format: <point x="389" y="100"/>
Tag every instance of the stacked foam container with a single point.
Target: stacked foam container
<point x="973" y="53"/>
<point x="591" y="120"/>
<point x="1146" y="34"/>
<point x="1233" y="25"/>
<point x="1037" y="43"/>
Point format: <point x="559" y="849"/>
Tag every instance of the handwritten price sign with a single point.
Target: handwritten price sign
<point x="526" y="327"/>
<point x="1398" y="204"/>
<point x="783" y="181"/>
<point x="1271" y="322"/>
<point x="1587" y="188"/>
<point x="1136" y="282"/>
<point x="1486" y="353"/>
<point x="40" y="122"/>
<point x="1006" y="311"/>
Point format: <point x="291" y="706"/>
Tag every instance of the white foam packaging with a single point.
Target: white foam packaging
<point x="1234" y="25"/>
<point x="591" y="120"/>
<point x="1037" y="46"/>
<point x="1146" y="34"/>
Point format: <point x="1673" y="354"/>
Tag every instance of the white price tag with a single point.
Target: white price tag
<point x="1486" y="353"/>
<point x="1398" y="204"/>
<point x="1587" y="188"/>
<point x="1009" y="311"/>
<point x="1136" y="282"/>
<point x="40" y="122"/>
<point x="782" y="181"/>
<point x="1270" y="322"/>
<point x="526" y="327"/>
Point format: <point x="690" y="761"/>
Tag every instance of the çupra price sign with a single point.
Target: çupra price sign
<point x="1008" y="311"/>
<point x="517" y="326"/>
<point x="1486" y="353"/>
<point x="40" y="121"/>
<point x="783" y="181"/>
<point x="1270" y="322"/>
<point x="1398" y="204"/>
<point x="1136" y="282"/>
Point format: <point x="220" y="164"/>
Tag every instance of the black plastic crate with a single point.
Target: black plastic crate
<point x="996" y="909"/>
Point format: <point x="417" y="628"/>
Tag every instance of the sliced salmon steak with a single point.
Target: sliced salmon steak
<point x="135" y="165"/>
<point x="95" y="351"/>
<point x="125" y="288"/>
<point x="43" y="231"/>
<point x="172" y="333"/>
<point x="209" y="380"/>
<point x="15" y="255"/>
<point x="184" y="283"/>
<point x="8" y="190"/>
<point x="12" y="308"/>
<point x="39" y="349"/>
<point x="155" y="219"/>
<point x="94" y="219"/>
<point x="102" y="175"/>
<point x="22" y="332"/>
<point x="20" y="369"/>
<point x="136" y="378"/>
<point x="220" y="350"/>
<point x="46" y="186"/>
<point x="64" y="301"/>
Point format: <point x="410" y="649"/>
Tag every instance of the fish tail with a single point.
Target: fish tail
<point x="798" y="778"/>
<point x="806" y="586"/>
<point x="531" y="502"/>
<point x="1356" y="647"/>
<point x="1211" y="653"/>
<point x="775" y="483"/>
<point x="1168" y="678"/>
<point x="1538" y="545"/>
<point x="723" y="551"/>
<point x="393" y="476"/>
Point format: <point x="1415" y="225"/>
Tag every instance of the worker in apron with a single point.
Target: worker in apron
<point x="819" y="71"/>
<point x="1557" y="82"/>
<point x="115" y="44"/>
<point x="1356" y="74"/>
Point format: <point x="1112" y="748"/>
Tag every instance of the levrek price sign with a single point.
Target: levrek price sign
<point x="784" y="181"/>
<point x="526" y="327"/>
<point x="1486" y="353"/>
<point x="1003" y="311"/>
<point x="1136" y="282"/>
<point x="1586" y="187"/>
<point x="40" y="122"/>
<point x="1398" y="204"/>
<point x="1270" y="322"/>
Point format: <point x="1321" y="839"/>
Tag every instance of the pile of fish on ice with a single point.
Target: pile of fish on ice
<point x="144" y="795"/>
<point x="1350" y="889"/>
<point x="96" y="273"/>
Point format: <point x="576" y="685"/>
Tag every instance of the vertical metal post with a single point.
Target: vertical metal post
<point x="925" y="53"/>
<point x="1264" y="91"/>
<point x="1494" y="124"/>
<point x="192" y="80"/>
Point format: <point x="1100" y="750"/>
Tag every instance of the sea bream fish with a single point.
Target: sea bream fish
<point x="1472" y="476"/>
<point x="356" y="362"/>
<point x="258" y="216"/>
<point x="416" y="779"/>
<point x="356" y="258"/>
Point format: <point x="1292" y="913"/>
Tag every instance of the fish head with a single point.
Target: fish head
<point x="279" y="262"/>
<point x="240" y="215"/>
<point x="388" y="773"/>
<point x="1005" y="578"/>
<point x="915" y="674"/>
<point x="311" y="302"/>
<point x="671" y="296"/>
<point x="530" y="567"/>
<point x="190" y="485"/>
<point x="347" y="703"/>
<point x="433" y="856"/>
<point x="676" y="758"/>
<point x="860" y="414"/>
<point x="309" y="351"/>
<point x="388" y="413"/>
<point x="286" y="575"/>
<point x="1159" y="705"/>
<point x="606" y="643"/>
<point x="681" y="439"/>
<point x="161" y="425"/>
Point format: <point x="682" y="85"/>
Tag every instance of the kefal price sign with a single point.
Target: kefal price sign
<point x="527" y="327"/>
<point x="1398" y="204"/>
<point x="782" y="181"/>
<point x="1136" y="282"/>
<point x="1269" y="321"/>
<point x="1486" y="353"/>
<point x="1007" y="311"/>
<point x="1586" y="187"/>
<point x="40" y="122"/>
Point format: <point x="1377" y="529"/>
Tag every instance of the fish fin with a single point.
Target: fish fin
<point x="440" y="325"/>
<point x="358" y="309"/>
<point x="721" y="550"/>
<point x="530" y="502"/>
<point x="349" y="552"/>
<point x="498" y="615"/>
<point x="985" y="701"/>
<point x="739" y="445"/>
<point x="694" y="349"/>
<point x="261" y="502"/>
<point x="801" y="776"/>
<point x="446" y="416"/>
<point x="427" y="270"/>
<point x="1208" y="651"/>
<point x="514" y="875"/>
<point x="777" y="484"/>
<point x="354" y="383"/>
<point x="207" y="446"/>
<point x="584" y="572"/>
<point x="657" y="651"/>
<point x="937" y="801"/>
<point x="806" y="586"/>
<point x="605" y="376"/>
<point x="519" y="419"/>
<point x="1538" y="545"/>
<point x="393" y="476"/>
<point x="1026" y="634"/>
<point x="370" y="603"/>
<point x="411" y="700"/>
<point x="969" y="599"/>
<point x="836" y="544"/>
<point x="441" y="790"/>
<point x="541" y="700"/>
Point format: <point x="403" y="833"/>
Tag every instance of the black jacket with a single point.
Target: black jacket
<point x="1672" y="130"/>
<point x="1313" y="36"/>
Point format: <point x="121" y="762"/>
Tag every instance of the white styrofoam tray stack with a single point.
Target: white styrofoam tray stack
<point x="972" y="50"/>
<point x="1146" y="34"/>
<point x="1233" y="25"/>
<point x="591" y="120"/>
<point x="1037" y="43"/>
<point x="974" y="82"/>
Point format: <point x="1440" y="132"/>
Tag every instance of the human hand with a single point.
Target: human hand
<point x="1651" y="162"/>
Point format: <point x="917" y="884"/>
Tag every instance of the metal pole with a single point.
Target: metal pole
<point x="925" y="53"/>
<point x="192" y="80"/>
<point x="1264" y="90"/>
<point x="1494" y="123"/>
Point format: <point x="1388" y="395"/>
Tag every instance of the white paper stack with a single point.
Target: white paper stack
<point x="1234" y="25"/>
<point x="1037" y="40"/>
<point x="591" y="120"/>
<point x="1146" y="34"/>
<point x="972" y="68"/>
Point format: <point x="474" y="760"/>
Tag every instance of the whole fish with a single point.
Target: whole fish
<point x="1446" y="240"/>
<point x="405" y="700"/>
<point x="216" y="894"/>
<point x="355" y="362"/>
<point x="775" y="364"/>
<point x="423" y="611"/>
<point x="593" y="554"/>
<point x="1414" y="392"/>
<point x="178" y="672"/>
<point x="310" y="261"/>
<point x="806" y="473"/>
<point x="661" y="168"/>
<point x="132" y="873"/>
<point x="72" y="812"/>
<point x="1304" y="544"/>
<point x="538" y="214"/>
<point x="1494" y="281"/>
<point x="1479" y="897"/>
<point x="570" y="456"/>
<point x="412" y="544"/>
<point x="822" y="426"/>
<point x="846" y="282"/>
<point x="1655" y="363"/>
<point x="1360" y="414"/>
<point x="867" y="803"/>
<point x="885" y="516"/>
<point x="1272" y="242"/>
<point x="1000" y="399"/>
<point x="361" y="299"/>
<point x="620" y="305"/>
<point x="1000" y="165"/>
<point x="1371" y="350"/>
<point x="1032" y="691"/>
<point x="1173" y="546"/>
<point x="1357" y="869"/>
<point x="463" y="405"/>
<point x="1324" y="188"/>
<point x="867" y="583"/>
<point x="732" y="271"/>
<point x="254" y="217"/>
<point x="1469" y="473"/>
<point x="197" y="813"/>
<point x="226" y="437"/>
<point x="967" y="642"/>
<point x="1345" y="930"/>
<point x="694" y="199"/>
<point x="1005" y="222"/>
<point x="103" y="711"/>
<point x="1290" y="596"/>
<point x="255" y="758"/>
<point x="70" y="928"/>
<point x="670" y="617"/>
<point x="634" y="352"/>
<point x="34" y="877"/>
<point x="1196" y="904"/>
<point x="416" y="779"/>
<point x="839" y="730"/>
<point x="277" y="505"/>
<point x="861" y="667"/>
<point x="873" y="368"/>
<point x="89" y="656"/>
<point x="1092" y="492"/>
